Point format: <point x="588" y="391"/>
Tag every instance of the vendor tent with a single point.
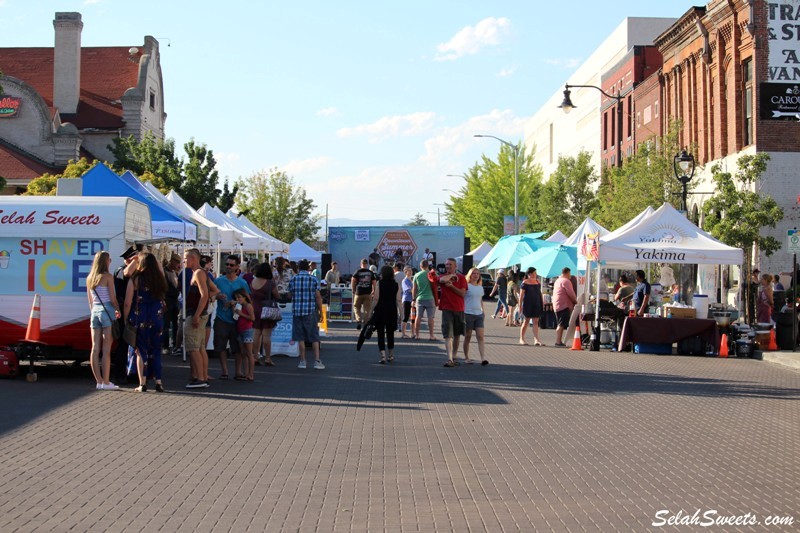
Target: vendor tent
<point x="224" y="238"/>
<point x="140" y="187"/>
<point x="638" y="218"/>
<point x="667" y="236"/>
<point x="557" y="237"/>
<point x="480" y="252"/>
<point x="204" y="228"/>
<point x="250" y="242"/>
<point x="275" y="245"/>
<point x="587" y="227"/>
<point x="509" y="247"/>
<point x="102" y="181"/>
<point x="299" y="250"/>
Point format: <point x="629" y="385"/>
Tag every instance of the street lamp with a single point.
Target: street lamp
<point x="568" y="106"/>
<point x="438" y="216"/>
<point x="683" y="166"/>
<point x="516" y="179"/>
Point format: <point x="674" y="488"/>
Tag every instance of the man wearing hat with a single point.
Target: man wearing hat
<point x="119" y="358"/>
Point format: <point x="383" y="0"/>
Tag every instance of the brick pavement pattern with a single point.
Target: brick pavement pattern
<point x="541" y="439"/>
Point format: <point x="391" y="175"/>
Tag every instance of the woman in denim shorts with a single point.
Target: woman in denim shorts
<point x="473" y="313"/>
<point x="104" y="306"/>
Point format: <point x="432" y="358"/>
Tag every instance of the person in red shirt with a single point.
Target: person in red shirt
<point x="451" y="304"/>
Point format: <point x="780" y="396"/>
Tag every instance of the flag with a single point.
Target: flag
<point x="593" y="252"/>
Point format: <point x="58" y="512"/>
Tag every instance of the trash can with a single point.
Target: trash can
<point x="783" y="331"/>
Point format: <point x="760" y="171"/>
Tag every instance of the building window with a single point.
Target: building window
<point x="747" y="112"/>
<point x="152" y="100"/>
<point x="605" y="131"/>
<point x="655" y="109"/>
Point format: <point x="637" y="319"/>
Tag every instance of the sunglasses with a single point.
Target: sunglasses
<point x="230" y="264"/>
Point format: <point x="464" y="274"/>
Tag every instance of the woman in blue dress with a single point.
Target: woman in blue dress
<point x="144" y="305"/>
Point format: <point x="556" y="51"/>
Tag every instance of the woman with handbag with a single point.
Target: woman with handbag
<point x="264" y="293"/>
<point x="144" y="305"/>
<point x="384" y="315"/>
<point x="103" y="305"/>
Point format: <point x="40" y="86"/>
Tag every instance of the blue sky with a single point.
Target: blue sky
<point x="368" y="105"/>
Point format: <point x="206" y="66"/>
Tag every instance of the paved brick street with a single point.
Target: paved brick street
<point x="541" y="439"/>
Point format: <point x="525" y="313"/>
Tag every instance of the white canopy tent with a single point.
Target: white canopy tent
<point x="222" y="237"/>
<point x="250" y="242"/>
<point x="276" y="246"/>
<point x="206" y="232"/>
<point x="587" y="227"/>
<point x="299" y="250"/>
<point x="557" y="237"/>
<point x="480" y="252"/>
<point x="666" y="236"/>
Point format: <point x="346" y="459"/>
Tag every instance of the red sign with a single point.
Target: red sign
<point x="9" y="106"/>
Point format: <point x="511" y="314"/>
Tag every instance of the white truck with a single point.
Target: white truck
<point x="47" y="245"/>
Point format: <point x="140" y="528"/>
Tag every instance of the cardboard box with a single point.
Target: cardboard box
<point x="678" y="312"/>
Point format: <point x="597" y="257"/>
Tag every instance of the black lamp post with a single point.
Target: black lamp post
<point x="683" y="165"/>
<point x="567" y="106"/>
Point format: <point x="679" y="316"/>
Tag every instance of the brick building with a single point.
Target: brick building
<point x="70" y="101"/>
<point x="731" y="73"/>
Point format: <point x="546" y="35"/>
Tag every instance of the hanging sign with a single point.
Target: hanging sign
<point x="9" y="106"/>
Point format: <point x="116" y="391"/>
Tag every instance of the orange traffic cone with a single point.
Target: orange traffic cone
<point x="773" y="344"/>
<point x="34" y="332"/>
<point x="723" y="346"/>
<point x="576" y="341"/>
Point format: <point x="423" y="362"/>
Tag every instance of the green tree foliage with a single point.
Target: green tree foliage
<point x="272" y="202"/>
<point x="45" y="185"/>
<point x="418" y="220"/>
<point x="488" y="195"/>
<point x="738" y="212"/>
<point x="195" y="178"/>
<point x="646" y="179"/>
<point x="568" y="197"/>
<point x="227" y="197"/>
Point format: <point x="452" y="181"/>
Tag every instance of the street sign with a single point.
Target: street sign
<point x="793" y="241"/>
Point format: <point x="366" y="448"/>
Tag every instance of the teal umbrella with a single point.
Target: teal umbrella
<point x="510" y="250"/>
<point x="549" y="261"/>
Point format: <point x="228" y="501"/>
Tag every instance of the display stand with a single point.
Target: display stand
<point x="340" y="303"/>
<point x="282" y="343"/>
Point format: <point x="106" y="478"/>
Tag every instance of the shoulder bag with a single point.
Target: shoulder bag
<point x="270" y="309"/>
<point x="116" y="329"/>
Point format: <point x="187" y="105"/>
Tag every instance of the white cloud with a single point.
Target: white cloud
<point x="471" y="39"/>
<point x="328" y="112"/>
<point x="226" y="161"/>
<point x="565" y="63"/>
<point x="456" y="140"/>
<point x="391" y="126"/>
<point x="506" y="71"/>
<point x="302" y="166"/>
<point x="90" y="2"/>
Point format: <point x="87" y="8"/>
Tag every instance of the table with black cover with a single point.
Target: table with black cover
<point x="667" y="330"/>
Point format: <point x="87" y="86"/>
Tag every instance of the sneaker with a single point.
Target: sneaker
<point x="109" y="386"/>
<point x="205" y="384"/>
<point x="358" y="325"/>
<point x="302" y="364"/>
<point x="99" y="386"/>
<point x="195" y="384"/>
<point x="159" y="387"/>
<point x="318" y="365"/>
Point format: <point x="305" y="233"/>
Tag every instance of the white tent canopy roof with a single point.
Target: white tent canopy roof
<point x="299" y="250"/>
<point x="206" y="232"/>
<point x="480" y="252"/>
<point x="666" y="236"/>
<point x="588" y="226"/>
<point x="275" y="245"/>
<point x="557" y="237"/>
<point x="250" y="242"/>
<point x="226" y="238"/>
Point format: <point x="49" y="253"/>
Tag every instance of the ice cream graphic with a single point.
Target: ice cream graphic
<point x="5" y="257"/>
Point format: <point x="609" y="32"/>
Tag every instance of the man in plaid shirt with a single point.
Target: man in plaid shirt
<point x="306" y="309"/>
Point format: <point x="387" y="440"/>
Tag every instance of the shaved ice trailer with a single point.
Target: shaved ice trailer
<point x="47" y="245"/>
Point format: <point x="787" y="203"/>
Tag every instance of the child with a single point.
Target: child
<point x="244" y="315"/>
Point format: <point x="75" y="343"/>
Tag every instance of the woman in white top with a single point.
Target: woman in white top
<point x="473" y="313"/>
<point x="103" y="306"/>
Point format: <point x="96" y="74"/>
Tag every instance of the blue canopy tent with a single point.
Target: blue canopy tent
<point x="102" y="181"/>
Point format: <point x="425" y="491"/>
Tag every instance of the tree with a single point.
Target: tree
<point x="488" y="195"/>
<point x="646" y="179"/>
<point x="195" y="179"/>
<point x="418" y="220"/>
<point x="567" y="198"/>
<point x="45" y="185"/>
<point x="272" y="202"/>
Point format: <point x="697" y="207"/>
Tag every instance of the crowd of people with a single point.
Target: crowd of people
<point x="243" y="300"/>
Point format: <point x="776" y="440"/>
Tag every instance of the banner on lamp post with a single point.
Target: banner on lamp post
<point x="508" y="224"/>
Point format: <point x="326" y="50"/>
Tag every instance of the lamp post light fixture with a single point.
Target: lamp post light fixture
<point x="516" y="178"/>
<point x="568" y="106"/>
<point x="683" y="165"/>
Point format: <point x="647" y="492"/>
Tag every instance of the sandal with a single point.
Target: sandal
<point x="141" y="388"/>
<point x="469" y="361"/>
<point x="538" y="343"/>
<point x="484" y="362"/>
<point x="269" y="362"/>
<point x="391" y="358"/>
<point x="450" y="364"/>
<point x="223" y="376"/>
<point x="240" y="378"/>
<point x="159" y="387"/>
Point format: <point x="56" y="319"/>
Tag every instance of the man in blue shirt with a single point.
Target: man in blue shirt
<point x="306" y="309"/>
<point x="641" y="295"/>
<point x="224" y="325"/>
